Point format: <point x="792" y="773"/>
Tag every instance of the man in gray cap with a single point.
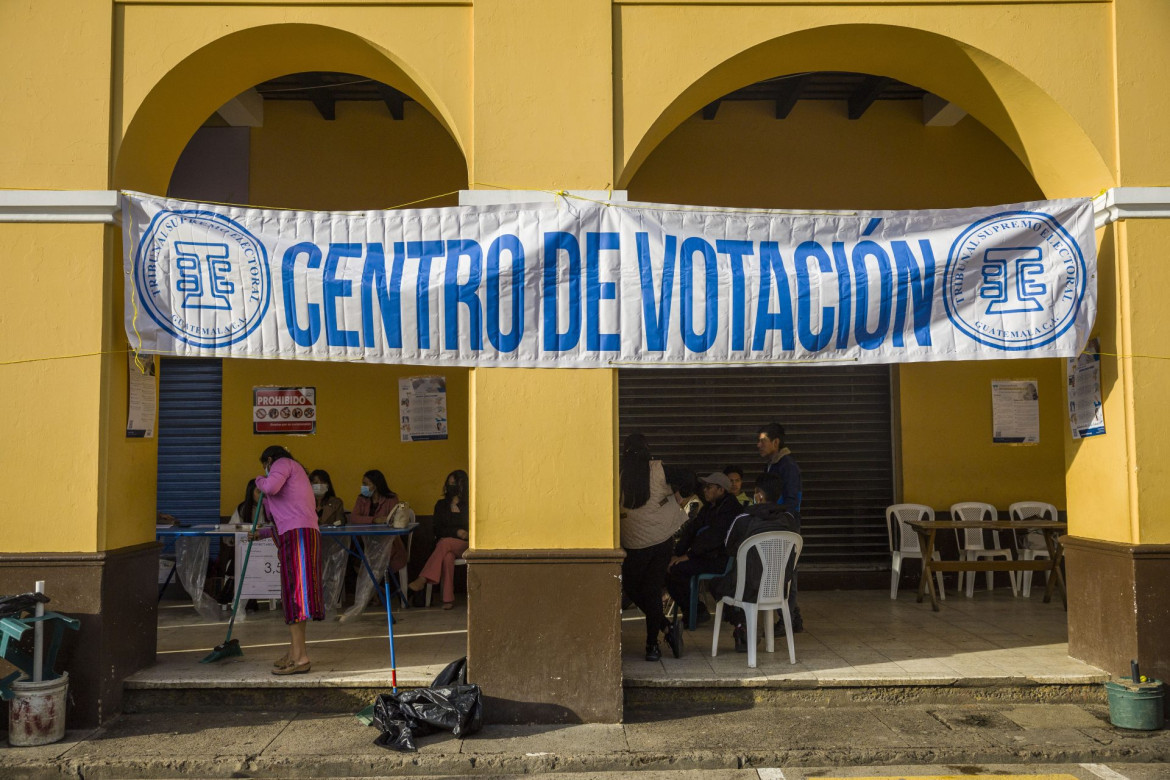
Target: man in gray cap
<point x="700" y="549"/>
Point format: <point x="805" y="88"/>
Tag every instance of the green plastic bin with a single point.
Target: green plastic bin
<point x="1137" y="706"/>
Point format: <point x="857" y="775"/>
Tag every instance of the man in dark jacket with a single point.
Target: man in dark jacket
<point x="700" y="549"/>
<point x="779" y="461"/>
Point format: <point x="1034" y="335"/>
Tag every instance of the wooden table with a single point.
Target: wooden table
<point x="1052" y="531"/>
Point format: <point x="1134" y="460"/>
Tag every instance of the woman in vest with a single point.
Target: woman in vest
<point x="650" y="515"/>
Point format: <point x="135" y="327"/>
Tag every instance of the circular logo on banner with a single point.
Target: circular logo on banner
<point x="1014" y="281"/>
<point x="202" y="277"/>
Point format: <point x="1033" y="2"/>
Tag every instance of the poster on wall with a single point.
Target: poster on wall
<point x="141" y="398"/>
<point x="422" y="408"/>
<point x="1015" y="412"/>
<point x="284" y="410"/>
<point x="262" y="578"/>
<point x="1085" y="412"/>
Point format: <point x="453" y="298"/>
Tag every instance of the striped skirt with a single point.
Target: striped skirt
<point x="300" y="574"/>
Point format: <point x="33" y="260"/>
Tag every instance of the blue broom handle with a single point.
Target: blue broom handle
<point x="390" y="633"/>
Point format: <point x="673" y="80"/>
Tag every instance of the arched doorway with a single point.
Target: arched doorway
<point x="334" y="125"/>
<point x="844" y="118"/>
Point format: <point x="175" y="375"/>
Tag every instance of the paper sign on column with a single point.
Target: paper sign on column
<point x="141" y="399"/>
<point x="422" y="407"/>
<point x="1015" y="412"/>
<point x="262" y="580"/>
<point x="1085" y="412"/>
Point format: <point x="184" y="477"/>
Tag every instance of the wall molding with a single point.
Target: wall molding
<point x="79" y="206"/>
<point x="1118" y="203"/>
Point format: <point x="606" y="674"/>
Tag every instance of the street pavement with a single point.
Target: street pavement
<point x="919" y="740"/>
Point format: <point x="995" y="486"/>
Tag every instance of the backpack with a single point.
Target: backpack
<point x="743" y="528"/>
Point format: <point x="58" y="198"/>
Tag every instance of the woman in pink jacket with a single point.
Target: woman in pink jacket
<point x="289" y="501"/>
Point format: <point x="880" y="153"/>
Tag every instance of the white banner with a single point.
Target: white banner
<point x="581" y="284"/>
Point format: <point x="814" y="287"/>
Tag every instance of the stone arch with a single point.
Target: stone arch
<point x="188" y="93"/>
<point x="1056" y="150"/>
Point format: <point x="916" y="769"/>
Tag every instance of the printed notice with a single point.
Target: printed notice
<point x="262" y="579"/>
<point x="1085" y="412"/>
<point x="422" y="407"/>
<point x="1015" y="412"/>
<point x="284" y="410"/>
<point x="141" y="399"/>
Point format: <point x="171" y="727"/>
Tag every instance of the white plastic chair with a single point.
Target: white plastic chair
<point x="774" y="548"/>
<point x="1031" y="546"/>
<point x="974" y="548"/>
<point x="904" y="544"/>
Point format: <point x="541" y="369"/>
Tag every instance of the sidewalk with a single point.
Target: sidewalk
<point x="305" y="744"/>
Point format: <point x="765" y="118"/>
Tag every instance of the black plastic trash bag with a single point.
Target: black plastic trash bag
<point x="449" y="704"/>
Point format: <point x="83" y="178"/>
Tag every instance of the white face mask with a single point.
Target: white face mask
<point x="319" y="488"/>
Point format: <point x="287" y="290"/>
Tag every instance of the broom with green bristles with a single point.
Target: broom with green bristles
<point x="231" y="647"/>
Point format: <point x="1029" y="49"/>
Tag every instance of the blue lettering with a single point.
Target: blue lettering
<point x="304" y="337"/>
<point x="554" y="243"/>
<point x="505" y="342"/>
<point x="597" y="291"/>
<point x="656" y="317"/>
<point x="463" y="293"/>
<point x="737" y="250"/>
<point x="333" y="288"/>
<point x="844" y="294"/>
<point x="389" y="296"/>
<point x="916" y="284"/>
<point x="872" y="339"/>
<point x="813" y="342"/>
<point x="771" y="265"/>
<point x="425" y="251"/>
<point x="699" y="342"/>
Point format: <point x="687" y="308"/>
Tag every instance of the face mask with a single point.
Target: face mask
<point x="366" y="491"/>
<point x="319" y="489"/>
<point x="452" y="491"/>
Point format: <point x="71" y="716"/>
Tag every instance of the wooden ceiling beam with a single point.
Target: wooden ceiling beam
<point x="395" y="101"/>
<point x="787" y="93"/>
<point x="865" y="95"/>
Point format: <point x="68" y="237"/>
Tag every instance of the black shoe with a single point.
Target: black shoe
<point x="797" y="626"/>
<point x="653" y="653"/>
<point x="703" y="615"/>
<point x="674" y="637"/>
<point x="739" y="634"/>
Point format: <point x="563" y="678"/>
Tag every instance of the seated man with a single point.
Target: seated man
<point x="765" y="515"/>
<point x="699" y="549"/>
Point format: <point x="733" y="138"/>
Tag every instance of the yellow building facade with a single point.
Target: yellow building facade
<point x="1061" y="99"/>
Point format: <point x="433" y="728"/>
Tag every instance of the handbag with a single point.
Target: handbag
<point x="400" y="516"/>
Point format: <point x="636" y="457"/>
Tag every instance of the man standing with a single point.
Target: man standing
<point x="779" y="461"/>
<point x="700" y="549"/>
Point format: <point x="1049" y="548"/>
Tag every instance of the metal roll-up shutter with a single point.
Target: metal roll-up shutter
<point x="189" y="415"/>
<point x="838" y="425"/>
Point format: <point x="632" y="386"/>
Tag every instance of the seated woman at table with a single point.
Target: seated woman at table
<point x="374" y="506"/>
<point x="451" y="535"/>
<point x="330" y="509"/>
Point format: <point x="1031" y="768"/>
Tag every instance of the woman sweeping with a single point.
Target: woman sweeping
<point x="289" y="500"/>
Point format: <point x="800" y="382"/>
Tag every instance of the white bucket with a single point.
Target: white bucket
<point x="36" y="714"/>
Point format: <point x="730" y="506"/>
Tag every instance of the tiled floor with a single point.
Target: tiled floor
<point x="851" y="638"/>
<point x="864" y="637"/>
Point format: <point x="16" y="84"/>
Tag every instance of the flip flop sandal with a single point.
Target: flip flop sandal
<point x="294" y="668"/>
